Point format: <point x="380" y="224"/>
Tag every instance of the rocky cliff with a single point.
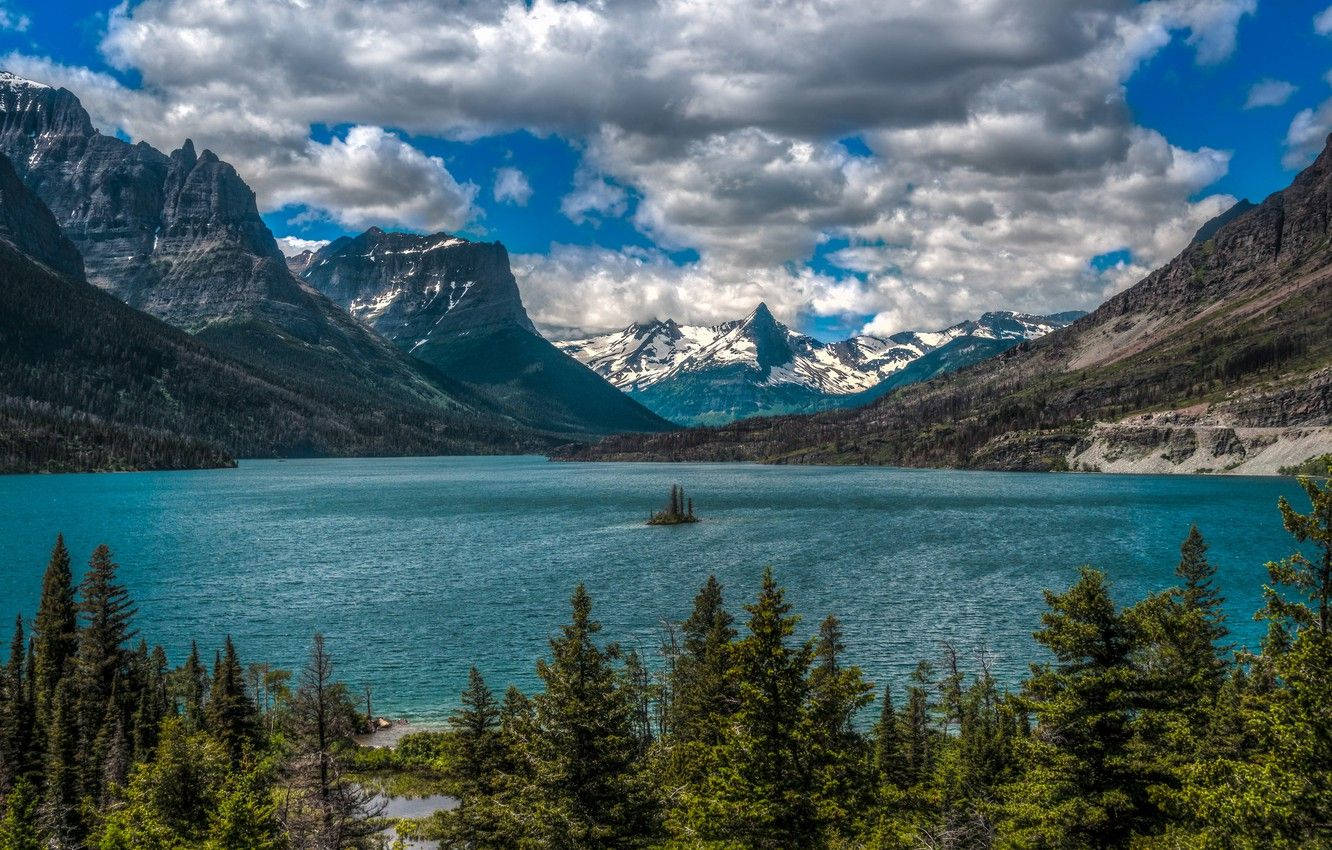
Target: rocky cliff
<point x="454" y="304"/>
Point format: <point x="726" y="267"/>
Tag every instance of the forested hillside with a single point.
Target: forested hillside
<point x="1144" y="728"/>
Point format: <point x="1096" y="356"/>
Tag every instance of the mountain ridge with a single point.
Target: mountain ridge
<point x="758" y="366"/>
<point x="1219" y="361"/>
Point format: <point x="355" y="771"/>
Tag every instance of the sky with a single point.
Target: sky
<point x="860" y="167"/>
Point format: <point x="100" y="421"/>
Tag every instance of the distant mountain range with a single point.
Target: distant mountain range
<point x="1220" y="361"/>
<point x="454" y="304"/>
<point x="700" y="375"/>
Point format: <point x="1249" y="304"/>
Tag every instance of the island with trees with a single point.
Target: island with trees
<point x="679" y="509"/>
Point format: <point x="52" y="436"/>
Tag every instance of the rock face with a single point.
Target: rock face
<point x="180" y="237"/>
<point x="454" y="304"/>
<point x="89" y="383"/>
<point x="1226" y="347"/>
<point x="710" y="375"/>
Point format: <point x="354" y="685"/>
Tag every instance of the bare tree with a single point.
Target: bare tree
<point x="321" y="809"/>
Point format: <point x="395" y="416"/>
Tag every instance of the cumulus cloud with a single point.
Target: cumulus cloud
<point x="593" y="196"/>
<point x="368" y="177"/>
<point x="291" y="246"/>
<point x="511" y="186"/>
<point x="1307" y="134"/>
<point x="1323" y="22"/>
<point x="1002" y="153"/>
<point x="1269" y="93"/>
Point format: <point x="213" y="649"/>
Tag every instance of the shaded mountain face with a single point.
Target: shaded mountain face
<point x="758" y="366"/>
<point x="1219" y="361"/>
<point x="454" y="304"/>
<point x="89" y="383"/>
<point x="180" y="237"/>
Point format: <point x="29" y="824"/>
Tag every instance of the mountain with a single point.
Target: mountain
<point x="89" y="383"/>
<point x="1219" y="361"/>
<point x="454" y="304"/>
<point x="180" y="237"/>
<point x="715" y="374"/>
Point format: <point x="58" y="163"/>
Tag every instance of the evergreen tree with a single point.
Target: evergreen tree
<point x="917" y="734"/>
<point x="476" y="762"/>
<point x="60" y="804"/>
<point x="107" y="614"/>
<point x="193" y="686"/>
<point x="1083" y="787"/>
<point x="230" y="712"/>
<point x="762" y="794"/>
<point x="55" y="638"/>
<point x="16" y="715"/>
<point x="841" y="764"/>
<point x="889" y="761"/>
<point x="152" y="704"/>
<point x="1309" y="578"/>
<point x="587" y="792"/>
<point x="702" y="691"/>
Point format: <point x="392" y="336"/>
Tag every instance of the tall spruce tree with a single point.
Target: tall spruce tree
<point x="841" y="763"/>
<point x="476" y="764"/>
<point x="107" y="616"/>
<point x="702" y="691"/>
<point x="16" y="715"/>
<point x="193" y="682"/>
<point x="55" y="629"/>
<point x="585" y="748"/>
<point x="888" y="757"/>
<point x="1084" y="787"/>
<point x="60" y="812"/>
<point x="231" y="714"/>
<point x="762" y="793"/>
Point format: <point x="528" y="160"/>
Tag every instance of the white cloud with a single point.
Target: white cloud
<point x="12" y="20"/>
<point x="1307" y="135"/>
<point x="1269" y="93"/>
<point x="1003" y="153"/>
<point x="369" y="177"/>
<point x="1322" y="22"/>
<point x="511" y="186"/>
<point x="294" y="245"/>
<point x="593" y="195"/>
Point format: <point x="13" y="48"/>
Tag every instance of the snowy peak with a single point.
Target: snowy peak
<point x="412" y="287"/>
<point x="656" y="352"/>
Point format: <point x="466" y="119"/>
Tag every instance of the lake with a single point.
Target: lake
<point x="416" y="568"/>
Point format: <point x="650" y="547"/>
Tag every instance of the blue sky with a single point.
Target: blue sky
<point x="666" y="179"/>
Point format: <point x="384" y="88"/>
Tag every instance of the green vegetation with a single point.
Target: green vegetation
<point x="678" y="510"/>
<point x="1145" y="728"/>
<point x="1312" y="466"/>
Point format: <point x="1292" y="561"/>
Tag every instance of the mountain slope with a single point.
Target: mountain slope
<point x="88" y="383"/>
<point x="1220" y="360"/>
<point x="180" y="237"/>
<point x="757" y="366"/>
<point x="454" y="304"/>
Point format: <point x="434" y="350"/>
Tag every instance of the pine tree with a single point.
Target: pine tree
<point x="584" y="743"/>
<point x="889" y="761"/>
<point x="55" y="629"/>
<point x="1200" y="622"/>
<point x="1308" y="578"/>
<point x="917" y="735"/>
<point x="230" y="713"/>
<point x="762" y="793"/>
<point x="60" y="805"/>
<point x="19" y="819"/>
<point x="107" y="614"/>
<point x="840" y="762"/>
<point x="1085" y="789"/>
<point x="16" y="715"/>
<point x="152" y="705"/>
<point x="702" y="690"/>
<point x="476" y="762"/>
<point x="193" y="686"/>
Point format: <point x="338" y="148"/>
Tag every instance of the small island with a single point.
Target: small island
<point x="678" y="510"/>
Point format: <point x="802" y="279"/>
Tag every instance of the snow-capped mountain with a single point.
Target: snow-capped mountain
<point x="756" y="365"/>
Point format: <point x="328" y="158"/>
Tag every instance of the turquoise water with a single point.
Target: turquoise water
<point x="416" y="568"/>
